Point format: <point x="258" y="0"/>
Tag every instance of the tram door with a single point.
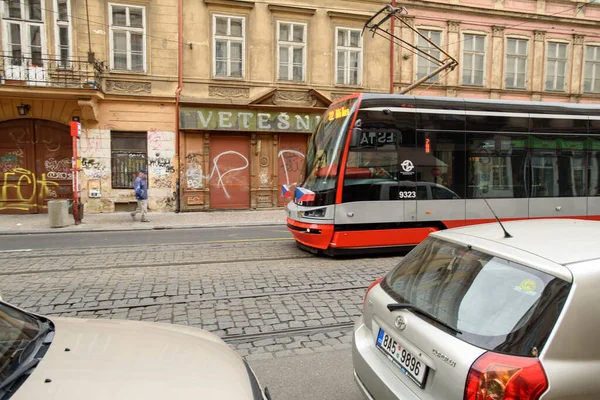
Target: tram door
<point x="408" y="189"/>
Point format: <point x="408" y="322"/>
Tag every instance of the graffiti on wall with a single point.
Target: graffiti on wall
<point x="193" y="171"/>
<point x="93" y="168"/>
<point x="162" y="169"/>
<point x="155" y="140"/>
<point x="11" y="160"/>
<point x="91" y="141"/>
<point x="290" y="162"/>
<point x="196" y="179"/>
<point x="21" y="189"/>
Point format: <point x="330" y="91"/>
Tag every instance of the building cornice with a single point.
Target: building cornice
<point x="232" y="3"/>
<point x="292" y="9"/>
<point x="489" y="12"/>
<point x="349" y="15"/>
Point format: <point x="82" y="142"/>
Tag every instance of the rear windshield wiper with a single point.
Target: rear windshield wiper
<point x="406" y="306"/>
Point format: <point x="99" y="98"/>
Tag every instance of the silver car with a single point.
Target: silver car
<point x="476" y="314"/>
<point x="71" y="358"/>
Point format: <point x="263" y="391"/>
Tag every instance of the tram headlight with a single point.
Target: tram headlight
<point x="316" y="213"/>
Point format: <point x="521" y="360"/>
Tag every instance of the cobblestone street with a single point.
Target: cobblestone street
<point x="266" y="298"/>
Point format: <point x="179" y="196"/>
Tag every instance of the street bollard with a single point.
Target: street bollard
<point x="58" y="211"/>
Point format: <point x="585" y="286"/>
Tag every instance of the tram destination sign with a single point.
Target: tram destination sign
<point x="377" y="138"/>
<point x="219" y="119"/>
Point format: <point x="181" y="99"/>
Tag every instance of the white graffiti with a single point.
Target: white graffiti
<point x="222" y="175"/>
<point x="283" y="159"/>
<point x="59" y="175"/>
<point x="61" y="165"/>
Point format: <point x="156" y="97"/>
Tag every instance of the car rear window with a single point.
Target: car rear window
<point x="496" y="304"/>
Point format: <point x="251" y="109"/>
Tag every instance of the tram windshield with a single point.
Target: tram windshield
<point x="325" y="150"/>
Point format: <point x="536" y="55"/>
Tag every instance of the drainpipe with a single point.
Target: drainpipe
<point x="392" y="50"/>
<point x="178" y="94"/>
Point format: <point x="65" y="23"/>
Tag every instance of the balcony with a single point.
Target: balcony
<point x="52" y="72"/>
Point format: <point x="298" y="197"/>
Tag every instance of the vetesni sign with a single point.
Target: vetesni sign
<point x="246" y="120"/>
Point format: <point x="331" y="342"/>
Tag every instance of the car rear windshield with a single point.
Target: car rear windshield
<point x="495" y="304"/>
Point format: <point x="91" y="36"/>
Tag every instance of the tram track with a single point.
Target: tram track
<point x="153" y="265"/>
<point x="202" y="300"/>
<point x="146" y="248"/>
<point x="244" y="338"/>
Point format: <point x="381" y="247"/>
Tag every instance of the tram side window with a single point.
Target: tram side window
<point x="557" y="167"/>
<point x="497" y="166"/>
<point x="440" y="164"/>
<point x="370" y="172"/>
<point x="594" y="172"/>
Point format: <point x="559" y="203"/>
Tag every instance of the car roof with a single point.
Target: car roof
<point x="561" y="241"/>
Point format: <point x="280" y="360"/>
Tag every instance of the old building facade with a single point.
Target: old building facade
<point x="113" y="66"/>
<point x="218" y="105"/>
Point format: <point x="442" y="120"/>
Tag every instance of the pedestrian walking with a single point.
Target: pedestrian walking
<point x="140" y="185"/>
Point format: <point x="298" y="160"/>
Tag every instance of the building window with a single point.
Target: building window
<point x="24" y="34"/>
<point x="63" y="31"/>
<point x="292" y="51"/>
<point x="229" y="46"/>
<point x="425" y="65"/>
<point x="591" y="80"/>
<point x="516" y="63"/>
<point x="348" y="61"/>
<point x="473" y="60"/>
<point x="127" y="37"/>
<point x="128" y="156"/>
<point x="556" y="66"/>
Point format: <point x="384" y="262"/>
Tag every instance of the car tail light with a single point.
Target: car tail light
<point x="496" y="376"/>
<point x="371" y="286"/>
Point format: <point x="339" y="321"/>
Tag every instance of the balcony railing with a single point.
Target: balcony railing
<point x="49" y="71"/>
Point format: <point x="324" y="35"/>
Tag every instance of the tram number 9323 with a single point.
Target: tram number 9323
<point x="407" y="194"/>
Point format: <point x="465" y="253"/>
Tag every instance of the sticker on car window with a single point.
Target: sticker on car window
<point x="527" y="286"/>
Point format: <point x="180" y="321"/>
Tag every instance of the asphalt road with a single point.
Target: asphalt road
<point x="150" y="237"/>
<point x="323" y="376"/>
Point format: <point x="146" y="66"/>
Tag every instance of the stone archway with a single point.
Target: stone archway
<point x="35" y="165"/>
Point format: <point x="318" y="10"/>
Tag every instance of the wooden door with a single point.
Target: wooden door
<point x="229" y="181"/>
<point x="290" y="157"/>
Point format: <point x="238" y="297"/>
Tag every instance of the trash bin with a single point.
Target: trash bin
<point x="58" y="212"/>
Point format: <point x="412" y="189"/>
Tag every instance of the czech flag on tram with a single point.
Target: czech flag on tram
<point x="285" y="191"/>
<point x="303" y="194"/>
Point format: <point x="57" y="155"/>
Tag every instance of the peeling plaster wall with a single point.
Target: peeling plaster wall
<point x="162" y="177"/>
<point x="95" y="151"/>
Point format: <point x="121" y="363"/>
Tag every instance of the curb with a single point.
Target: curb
<point x="71" y="229"/>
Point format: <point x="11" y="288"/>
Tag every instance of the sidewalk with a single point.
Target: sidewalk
<point x="121" y="221"/>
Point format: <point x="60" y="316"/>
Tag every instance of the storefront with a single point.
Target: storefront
<point x="238" y="158"/>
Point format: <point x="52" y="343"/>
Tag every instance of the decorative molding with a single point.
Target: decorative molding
<point x="499" y="4"/>
<point x="128" y="87"/>
<point x="228" y="92"/>
<point x="497" y="31"/>
<point x="578" y="39"/>
<point x="348" y="15"/>
<point x="539" y="36"/>
<point x="288" y="96"/>
<point x="453" y="26"/>
<point x="232" y="3"/>
<point x="292" y="9"/>
<point x="89" y="109"/>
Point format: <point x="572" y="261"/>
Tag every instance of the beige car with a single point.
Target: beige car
<point x="71" y="358"/>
